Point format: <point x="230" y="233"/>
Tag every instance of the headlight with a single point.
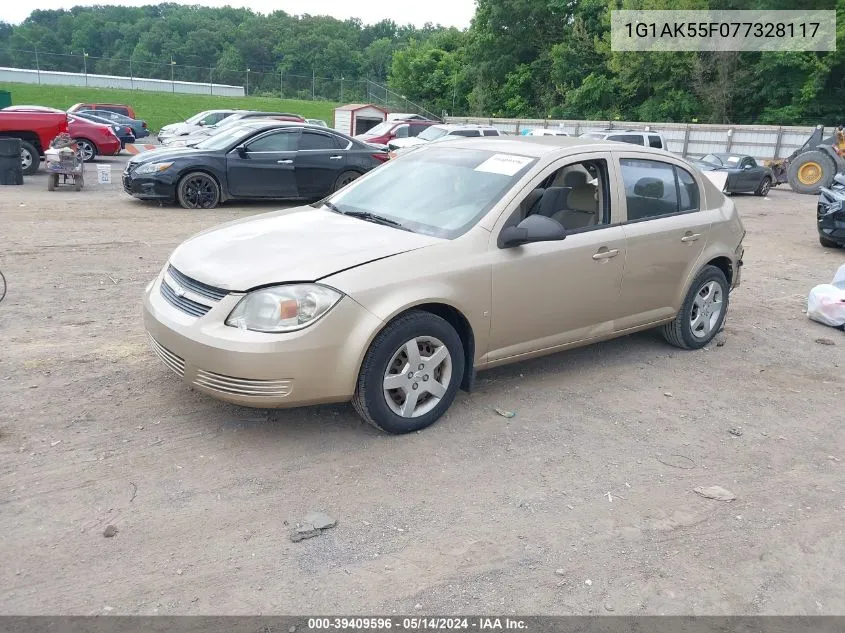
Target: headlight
<point x="283" y="308"/>
<point x="153" y="168"/>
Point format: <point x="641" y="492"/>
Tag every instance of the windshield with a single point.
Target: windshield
<point x="381" y="128"/>
<point x="222" y="140"/>
<point x="198" y="117"/>
<point x="432" y="133"/>
<point x="436" y="191"/>
<point x="712" y="159"/>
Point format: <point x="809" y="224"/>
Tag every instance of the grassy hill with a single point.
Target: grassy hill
<point x="161" y="108"/>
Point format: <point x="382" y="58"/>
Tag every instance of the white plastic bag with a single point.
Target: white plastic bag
<point x="826" y="303"/>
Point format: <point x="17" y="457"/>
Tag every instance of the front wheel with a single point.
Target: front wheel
<point x="702" y="313"/>
<point x="765" y="186"/>
<point x="410" y="374"/>
<point x="87" y="149"/>
<point x="198" y="190"/>
<point x="30" y="159"/>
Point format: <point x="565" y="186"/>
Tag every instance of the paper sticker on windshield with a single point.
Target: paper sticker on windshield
<point x="505" y="164"/>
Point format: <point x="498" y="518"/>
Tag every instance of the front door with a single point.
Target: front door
<point x="549" y="294"/>
<point x="321" y="158"/>
<point x="265" y="167"/>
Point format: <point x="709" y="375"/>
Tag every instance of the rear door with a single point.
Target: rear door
<point x="666" y="230"/>
<point x="265" y="167"/>
<point x="320" y="159"/>
<point x="752" y="174"/>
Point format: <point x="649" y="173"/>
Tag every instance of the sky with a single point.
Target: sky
<point x="446" y="12"/>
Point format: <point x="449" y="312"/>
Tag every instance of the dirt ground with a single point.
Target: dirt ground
<point x="582" y="503"/>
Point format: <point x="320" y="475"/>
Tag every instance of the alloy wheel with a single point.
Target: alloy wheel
<point x="417" y="376"/>
<point x="706" y="310"/>
<point x="200" y="192"/>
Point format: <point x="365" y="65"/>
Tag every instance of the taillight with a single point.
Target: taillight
<point x="382" y="157"/>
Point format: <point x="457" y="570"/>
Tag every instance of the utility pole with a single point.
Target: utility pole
<point x="172" y="84"/>
<point x="281" y="84"/>
<point x="313" y="83"/>
<point x="211" y="81"/>
<point x="131" y="76"/>
<point x="85" y="65"/>
<point x="454" y="92"/>
<point x="341" y="88"/>
<point x="37" y="66"/>
<point x="247" y="82"/>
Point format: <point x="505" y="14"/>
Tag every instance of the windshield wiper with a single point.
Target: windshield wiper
<point x="377" y="219"/>
<point x="366" y="216"/>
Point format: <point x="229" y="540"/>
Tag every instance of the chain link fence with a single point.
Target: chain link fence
<point x="261" y="82"/>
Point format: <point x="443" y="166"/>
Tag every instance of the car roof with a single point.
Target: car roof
<point x="539" y="146"/>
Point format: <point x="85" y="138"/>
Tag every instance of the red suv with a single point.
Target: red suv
<point x="120" y="108"/>
<point x="386" y="131"/>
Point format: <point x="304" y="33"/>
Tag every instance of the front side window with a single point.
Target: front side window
<point x="275" y="142"/>
<point x="401" y="132"/>
<point x="435" y="191"/>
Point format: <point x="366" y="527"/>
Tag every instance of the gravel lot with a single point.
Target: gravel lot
<point x="581" y="503"/>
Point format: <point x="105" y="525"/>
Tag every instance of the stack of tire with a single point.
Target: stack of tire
<point x="11" y="170"/>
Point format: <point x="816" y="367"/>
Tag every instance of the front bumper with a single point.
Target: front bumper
<point x="149" y="187"/>
<point x="831" y="226"/>
<point x="318" y="364"/>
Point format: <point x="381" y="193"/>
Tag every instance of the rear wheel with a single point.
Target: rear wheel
<point x="30" y="159"/>
<point x="765" y="186"/>
<point x="811" y="171"/>
<point x="87" y="149"/>
<point x="703" y="312"/>
<point x="828" y="243"/>
<point x="344" y="179"/>
<point x="198" y="190"/>
<point x="411" y="373"/>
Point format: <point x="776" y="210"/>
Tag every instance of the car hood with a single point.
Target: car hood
<point x="180" y="129"/>
<point x="301" y="244"/>
<point x="163" y="153"/>
<point x="406" y="142"/>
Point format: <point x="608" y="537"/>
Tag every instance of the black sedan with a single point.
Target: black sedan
<point x="744" y="174"/>
<point x="123" y="132"/>
<point x="255" y="160"/>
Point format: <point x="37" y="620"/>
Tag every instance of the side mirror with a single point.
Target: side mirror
<point x="534" y="228"/>
<point x="649" y="188"/>
<point x="747" y="167"/>
<point x="241" y="150"/>
<point x="202" y="123"/>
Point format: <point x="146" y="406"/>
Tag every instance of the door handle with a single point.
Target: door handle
<point x="606" y="254"/>
<point x="287" y="161"/>
<point x="692" y="237"/>
<point x="335" y="157"/>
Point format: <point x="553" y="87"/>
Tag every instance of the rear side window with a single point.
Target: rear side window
<point x="635" y="139"/>
<point x="654" y="189"/>
<point x="465" y="133"/>
<point x="315" y="140"/>
<point x="416" y="129"/>
<point x="491" y="132"/>
<point x="655" y="141"/>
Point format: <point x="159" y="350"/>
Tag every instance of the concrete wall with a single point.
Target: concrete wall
<point x="51" y="77"/>
<point x="763" y="142"/>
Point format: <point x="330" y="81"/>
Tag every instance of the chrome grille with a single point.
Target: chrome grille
<point x="197" y="287"/>
<point x="189" y="295"/>
<point x="176" y="364"/>
<point x="186" y="305"/>
<point x="243" y="386"/>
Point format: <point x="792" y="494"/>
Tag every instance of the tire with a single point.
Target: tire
<point x="811" y="171"/>
<point x="765" y="186"/>
<point x="87" y="149"/>
<point x="690" y="330"/>
<point x="30" y="159"/>
<point x="344" y="179"/>
<point x="388" y="357"/>
<point x="198" y="190"/>
<point x="828" y="243"/>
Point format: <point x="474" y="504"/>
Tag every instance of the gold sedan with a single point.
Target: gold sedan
<point x="454" y="258"/>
